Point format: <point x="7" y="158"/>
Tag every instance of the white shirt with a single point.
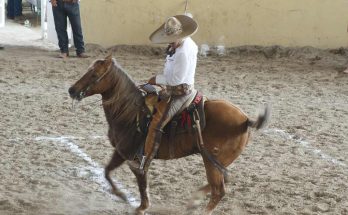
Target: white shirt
<point x="181" y="67"/>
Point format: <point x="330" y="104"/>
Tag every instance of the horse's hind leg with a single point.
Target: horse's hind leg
<point x="200" y="194"/>
<point x="217" y="186"/>
<point x="142" y="184"/>
<point x="115" y="162"/>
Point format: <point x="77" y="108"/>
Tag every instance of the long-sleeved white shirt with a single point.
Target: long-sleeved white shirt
<point x="181" y="67"/>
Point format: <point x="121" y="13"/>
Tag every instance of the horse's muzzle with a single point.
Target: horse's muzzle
<point x="74" y="94"/>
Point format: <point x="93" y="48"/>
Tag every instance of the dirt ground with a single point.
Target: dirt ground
<point x="52" y="159"/>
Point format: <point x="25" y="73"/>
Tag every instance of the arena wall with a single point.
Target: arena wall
<point x="321" y="24"/>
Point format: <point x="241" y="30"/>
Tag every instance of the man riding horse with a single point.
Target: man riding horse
<point x="177" y="78"/>
<point x="227" y="127"/>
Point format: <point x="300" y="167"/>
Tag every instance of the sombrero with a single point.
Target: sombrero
<point x="175" y="27"/>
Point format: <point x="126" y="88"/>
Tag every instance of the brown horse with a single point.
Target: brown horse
<point x="225" y="135"/>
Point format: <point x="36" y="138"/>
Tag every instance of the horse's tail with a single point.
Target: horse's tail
<point x="262" y="119"/>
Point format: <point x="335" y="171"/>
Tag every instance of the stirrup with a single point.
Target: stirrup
<point x="135" y="167"/>
<point x="142" y="163"/>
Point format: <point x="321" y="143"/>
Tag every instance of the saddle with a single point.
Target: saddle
<point x="182" y="122"/>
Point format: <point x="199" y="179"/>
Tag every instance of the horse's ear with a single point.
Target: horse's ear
<point x="108" y="59"/>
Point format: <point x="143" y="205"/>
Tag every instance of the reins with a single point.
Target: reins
<point x="74" y="104"/>
<point x="83" y="93"/>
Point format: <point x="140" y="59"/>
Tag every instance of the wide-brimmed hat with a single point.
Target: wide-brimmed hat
<point x="175" y="27"/>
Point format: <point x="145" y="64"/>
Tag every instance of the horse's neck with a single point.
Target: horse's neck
<point x="112" y="119"/>
<point x="120" y="132"/>
<point x="123" y="110"/>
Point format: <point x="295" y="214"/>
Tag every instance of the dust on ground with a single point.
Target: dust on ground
<point x="52" y="159"/>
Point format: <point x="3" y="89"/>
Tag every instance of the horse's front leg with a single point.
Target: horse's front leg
<point x="115" y="162"/>
<point x="142" y="184"/>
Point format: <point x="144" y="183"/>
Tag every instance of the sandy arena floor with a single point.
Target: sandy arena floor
<point x="52" y="159"/>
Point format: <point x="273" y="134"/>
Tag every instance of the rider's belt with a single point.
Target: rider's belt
<point x="179" y="90"/>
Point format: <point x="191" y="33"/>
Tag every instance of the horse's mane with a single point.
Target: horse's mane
<point x="126" y="99"/>
<point x="121" y="110"/>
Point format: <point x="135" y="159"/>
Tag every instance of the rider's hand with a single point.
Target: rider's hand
<point x="54" y="3"/>
<point x="152" y="81"/>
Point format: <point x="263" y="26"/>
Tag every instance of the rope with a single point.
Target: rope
<point x="186" y="7"/>
<point x="74" y="104"/>
<point x="90" y="103"/>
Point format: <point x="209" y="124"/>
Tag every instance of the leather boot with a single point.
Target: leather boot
<point x="154" y="134"/>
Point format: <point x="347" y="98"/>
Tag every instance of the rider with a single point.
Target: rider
<point x="177" y="78"/>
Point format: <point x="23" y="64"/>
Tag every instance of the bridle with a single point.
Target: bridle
<point x="83" y="92"/>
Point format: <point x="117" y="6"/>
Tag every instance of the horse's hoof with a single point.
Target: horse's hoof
<point x="193" y="204"/>
<point x="139" y="212"/>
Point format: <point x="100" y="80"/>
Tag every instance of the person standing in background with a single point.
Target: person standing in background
<point x="63" y="9"/>
<point x="14" y="8"/>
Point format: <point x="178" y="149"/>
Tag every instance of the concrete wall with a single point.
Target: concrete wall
<point x="2" y="13"/>
<point x="318" y="23"/>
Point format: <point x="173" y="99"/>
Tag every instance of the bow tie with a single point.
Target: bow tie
<point x="170" y="51"/>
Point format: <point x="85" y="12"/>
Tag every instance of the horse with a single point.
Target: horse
<point x="225" y="135"/>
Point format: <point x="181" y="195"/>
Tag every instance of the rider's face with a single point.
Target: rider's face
<point x="175" y="44"/>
